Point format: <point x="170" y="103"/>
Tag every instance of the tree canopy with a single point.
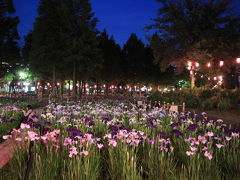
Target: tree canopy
<point x="197" y="30"/>
<point x="9" y="49"/>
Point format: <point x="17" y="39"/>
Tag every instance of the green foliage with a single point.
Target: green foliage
<point x="195" y="30"/>
<point x="6" y="127"/>
<point x="207" y="105"/>
<point x="191" y="100"/>
<point x="155" y="96"/>
<point x="224" y="105"/>
<point x="207" y="94"/>
<point x="9" y="49"/>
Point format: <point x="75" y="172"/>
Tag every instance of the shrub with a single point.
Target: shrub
<point x="224" y="105"/>
<point x="155" y="96"/>
<point x="208" y="104"/>
<point x="191" y="100"/>
<point x="207" y="94"/>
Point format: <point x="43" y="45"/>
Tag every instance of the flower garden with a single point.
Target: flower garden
<point x="117" y="140"/>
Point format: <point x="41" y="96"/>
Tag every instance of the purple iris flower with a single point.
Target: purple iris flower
<point x="37" y="126"/>
<point x="177" y="132"/>
<point x="87" y="120"/>
<point x="70" y="129"/>
<point x="91" y="123"/>
<point x="192" y="127"/>
<point x="175" y="124"/>
<point x="162" y="134"/>
<point x="122" y="127"/>
<point x="34" y="116"/>
<point x="113" y="128"/>
<point x="182" y="117"/>
<point x="48" y="123"/>
<point x="76" y="133"/>
<point x="153" y="127"/>
<point x="114" y="133"/>
<point x="90" y="132"/>
<point x="200" y="132"/>
<point x="45" y="130"/>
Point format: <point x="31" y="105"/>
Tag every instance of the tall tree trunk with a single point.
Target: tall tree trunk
<point x="193" y="80"/>
<point x="36" y="88"/>
<point x="84" y="87"/>
<point x="74" y="92"/>
<point x="80" y="89"/>
<point x="107" y="88"/>
<point x="54" y="81"/>
<point x="69" y="89"/>
<point x="61" y="88"/>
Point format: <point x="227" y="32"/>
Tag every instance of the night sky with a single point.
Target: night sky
<point x="119" y="17"/>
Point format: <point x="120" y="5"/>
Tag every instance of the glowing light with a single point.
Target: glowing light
<point x="221" y="63"/>
<point x="209" y="64"/>
<point x="38" y="83"/>
<point x="104" y="85"/>
<point x="95" y="86"/>
<point x="77" y="85"/>
<point x="191" y="72"/>
<point x="48" y="84"/>
<point x="26" y="83"/>
<point x="197" y="64"/>
<point x="238" y="60"/>
<point x="215" y="78"/>
<point x="19" y="84"/>
<point x="201" y="76"/>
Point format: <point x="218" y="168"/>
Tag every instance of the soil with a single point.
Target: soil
<point x="6" y="151"/>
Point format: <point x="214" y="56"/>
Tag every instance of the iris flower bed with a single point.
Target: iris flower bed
<point x="10" y="117"/>
<point x="115" y="140"/>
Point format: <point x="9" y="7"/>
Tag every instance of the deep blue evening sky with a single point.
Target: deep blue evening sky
<point x="119" y="17"/>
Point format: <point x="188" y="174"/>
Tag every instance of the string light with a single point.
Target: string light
<point x="209" y="64"/>
<point x="238" y="60"/>
<point x="221" y="63"/>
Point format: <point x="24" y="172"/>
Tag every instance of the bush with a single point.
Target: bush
<point x="224" y="105"/>
<point x="208" y="104"/>
<point x="207" y="94"/>
<point x="191" y="100"/>
<point x="155" y="96"/>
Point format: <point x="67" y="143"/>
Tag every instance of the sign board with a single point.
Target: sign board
<point x="140" y="103"/>
<point x="173" y="108"/>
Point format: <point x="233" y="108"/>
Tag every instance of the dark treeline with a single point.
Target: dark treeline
<point x="65" y="44"/>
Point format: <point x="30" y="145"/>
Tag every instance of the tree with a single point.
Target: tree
<point x="64" y="38"/>
<point x="9" y="49"/>
<point x="195" y="30"/>
<point x="135" y="56"/>
<point x="80" y="34"/>
<point x="112" y="55"/>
